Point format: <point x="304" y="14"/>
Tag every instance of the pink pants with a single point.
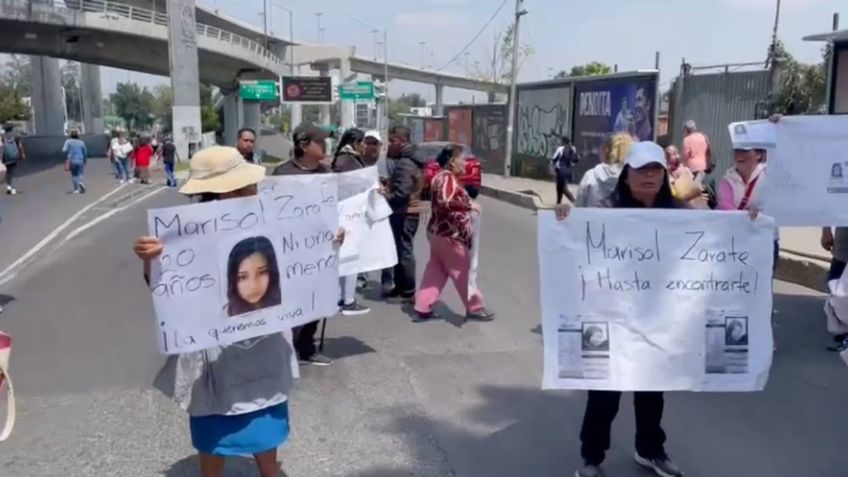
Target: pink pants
<point x="448" y="259"/>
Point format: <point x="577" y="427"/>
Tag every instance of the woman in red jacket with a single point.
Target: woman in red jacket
<point x="450" y="235"/>
<point x="143" y="157"/>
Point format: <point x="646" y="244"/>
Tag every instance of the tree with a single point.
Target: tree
<point x="801" y="88"/>
<point x="500" y="69"/>
<point x="403" y="105"/>
<point x="594" y="68"/>
<point x="134" y="104"/>
<point x="12" y="106"/>
<point x="208" y="114"/>
<point x="163" y="103"/>
<point x="17" y="72"/>
<point x="71" y="83"/>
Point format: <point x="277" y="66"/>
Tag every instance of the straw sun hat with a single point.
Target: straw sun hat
<point x="219" y="170"/>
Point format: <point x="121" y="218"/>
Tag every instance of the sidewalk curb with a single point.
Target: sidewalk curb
<point x="794" y="268"/>
<point x="519" y="199"/>
<point x="803" y="271"/>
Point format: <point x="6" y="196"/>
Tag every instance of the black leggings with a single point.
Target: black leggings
<point x="562" y="180"/>
<point x="10" y="173"/>
<point x="601" y="409"/>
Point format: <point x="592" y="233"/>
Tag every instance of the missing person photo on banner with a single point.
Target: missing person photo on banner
<point x="242" y="268"/>
<point x="807" y="181"/>
<point x="661" y="300"/>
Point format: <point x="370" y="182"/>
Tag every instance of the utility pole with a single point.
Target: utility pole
<point x="423" y="44"/>
<point x="772" y="60"/>
<point x="318" y="21"/>
<point x="513" y="88"/>
<point x="374" y="39"/>
<point x="265" y="21"/>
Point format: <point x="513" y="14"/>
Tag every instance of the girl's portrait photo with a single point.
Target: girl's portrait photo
<point x="253" y="277"/>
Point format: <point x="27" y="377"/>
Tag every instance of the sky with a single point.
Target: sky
<point x="563" y="33"/>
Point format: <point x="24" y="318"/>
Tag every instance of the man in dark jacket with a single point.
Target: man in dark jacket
<point x="404" y="190"/>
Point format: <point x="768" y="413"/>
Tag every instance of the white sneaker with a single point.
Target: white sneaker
<point x="76" y="191"/>
<point x="13" y="191"/>
<point x="122" y="182"/>
<point x="132" y="181"/>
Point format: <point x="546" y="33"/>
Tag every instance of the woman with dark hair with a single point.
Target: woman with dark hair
<point x="253" y="277"/>
<point x="348" y="158"/>
<point x="236" y="395"/>
<point x="643" y="184"/>
<point x="450" y="235"/>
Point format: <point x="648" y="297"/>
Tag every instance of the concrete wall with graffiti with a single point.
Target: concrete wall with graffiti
<point x="543" y="117"/>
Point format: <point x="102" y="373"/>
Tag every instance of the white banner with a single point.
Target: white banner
<point x="364" y="214"/>
<point x="808" y="172"/>
<point x="657" y="300"/>
<point x="240" y="268"/>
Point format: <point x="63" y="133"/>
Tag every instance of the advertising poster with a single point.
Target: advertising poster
<point x="434" y="129"/>
<point x="657" y="300"/>
<point x="489" y="142"/>
<point x="607" y="106"/>
<point x="459" y="125"/>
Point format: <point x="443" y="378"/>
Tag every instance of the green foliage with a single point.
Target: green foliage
<point x="12" y="107"/>
<point x="594" y="68"/>
<point x="208" y="114"/>
<point x="801" y="88"/>
<point x="134" y="104"/>
<point x="15" y="84"/>
<point x="71" y="82"/>
<point x="524" y="51"/>
<point x="402" y="105"/>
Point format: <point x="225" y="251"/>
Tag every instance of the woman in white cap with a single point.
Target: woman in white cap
<point x="233" y="410"/>
<point x="643" y="184"/>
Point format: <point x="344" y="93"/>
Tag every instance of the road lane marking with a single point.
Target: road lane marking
<point x="108" y="214"/>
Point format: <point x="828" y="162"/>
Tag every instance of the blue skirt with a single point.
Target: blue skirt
<point x="243" y="434"/>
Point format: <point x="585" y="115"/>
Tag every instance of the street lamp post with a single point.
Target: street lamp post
<point x="385" y="69"/>
<point x="318" y="21"/>
<point x="513" y="89"/>
<point x="423" y="45"/>
<point x="291" y="33"/>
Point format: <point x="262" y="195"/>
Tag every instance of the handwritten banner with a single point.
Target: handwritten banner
<point x="240" y="268"/>
<point x="656" y="300"/>
<point x="364" y="214"/>
<point x="808" y="172"/>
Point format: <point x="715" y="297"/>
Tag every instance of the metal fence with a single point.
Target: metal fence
<point x="158" y="18"/>
<point x="714" y="100"/>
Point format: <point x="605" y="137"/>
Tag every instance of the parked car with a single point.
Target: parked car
<point x="472" y="179"/>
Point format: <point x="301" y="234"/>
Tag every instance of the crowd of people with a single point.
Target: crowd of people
<point x="254" y="418"/>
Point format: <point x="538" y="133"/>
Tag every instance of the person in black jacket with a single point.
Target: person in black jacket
<point x="403" y="194"/>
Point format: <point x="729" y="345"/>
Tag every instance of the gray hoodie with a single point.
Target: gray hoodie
<point x="598" y="184"/>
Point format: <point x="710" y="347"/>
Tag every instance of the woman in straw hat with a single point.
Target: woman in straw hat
<point x="233" y="411"/>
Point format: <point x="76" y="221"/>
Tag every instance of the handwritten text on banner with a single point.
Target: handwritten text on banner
<point x="656" y="300"/>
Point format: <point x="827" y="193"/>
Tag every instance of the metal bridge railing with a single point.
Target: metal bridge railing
<point x="149" y="16"/>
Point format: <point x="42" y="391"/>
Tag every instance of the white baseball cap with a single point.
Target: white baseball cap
<point x="644" y="153"/>
<point x="373" y="135"/>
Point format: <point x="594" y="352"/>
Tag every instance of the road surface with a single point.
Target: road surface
<point x="434" y="399"/>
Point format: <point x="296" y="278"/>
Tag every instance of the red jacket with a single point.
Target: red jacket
<point x="143" y="155"/>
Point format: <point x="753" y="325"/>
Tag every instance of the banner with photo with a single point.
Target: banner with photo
<point x="241" y="268"/>
<point x="806" y="182"/>
<point x="614" y="105"/>
<point x="656" y="300"/>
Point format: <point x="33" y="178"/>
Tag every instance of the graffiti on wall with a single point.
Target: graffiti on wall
<point x="543" y="118"/>
<point x="489" y="140"/>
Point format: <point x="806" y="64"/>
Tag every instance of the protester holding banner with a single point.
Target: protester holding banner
<point x="403" y="194"/>
<point x="450" y="234"/>
<point x="348" y="157"/>
<point x="644" y="183"/>
<point x="598" y="183"/>
<point x="309" y="150"/>
<point x="236" y="395"/>
<point x="371" y="156"/>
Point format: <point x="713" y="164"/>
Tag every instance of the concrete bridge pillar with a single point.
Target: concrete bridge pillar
<point x="439" y="107"/>
<point x="252" y="115"/>
<point x="185" y="75"/>
<point x="348" y="108"/>
<point x="92" y="99"/>
<point x="48" y="104"/>
<point x="232" y="120"/>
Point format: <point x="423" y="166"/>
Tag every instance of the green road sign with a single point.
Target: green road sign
<point x="260" y="90"/>
<point x="359" y="91"/>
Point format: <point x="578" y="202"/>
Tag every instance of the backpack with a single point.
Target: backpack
<point x="11" y="151"/>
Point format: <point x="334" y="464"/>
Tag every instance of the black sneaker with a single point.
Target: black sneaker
<point x="422" y="317"/>
<point x="839" y="347"/>
<point x="362" y="283"/>
<point x="662" y="466"/>
<point x="317" y="359"/>
<point x="354" y="309"/>
<point x="482" y="315"/>
<point x="82" y="189"/>
<point x="589" y="471"/>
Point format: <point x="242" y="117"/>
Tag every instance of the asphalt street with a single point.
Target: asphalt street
<point x="434" y="399"/>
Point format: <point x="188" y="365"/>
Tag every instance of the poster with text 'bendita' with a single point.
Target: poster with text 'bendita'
<point x="240" y="268"/>
<point x="656" y="300"/>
